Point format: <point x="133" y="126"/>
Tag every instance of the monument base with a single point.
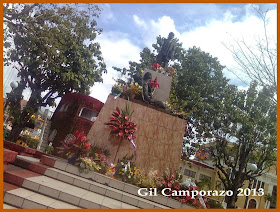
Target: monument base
<point x="159" y="136"/>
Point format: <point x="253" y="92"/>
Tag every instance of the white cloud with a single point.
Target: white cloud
<point x="139" y="22"/>
<point x="107" y="13"/>
<point x="153" y="28"/>
<point x="117" y="50"/>
<point x="210" y="38"/>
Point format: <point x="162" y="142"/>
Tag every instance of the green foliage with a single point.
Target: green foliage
<point x="49" y="149"/>
<point x="148" y="57"/>
<point x="147" y="180"/>
<point x="78" y="147"/>
<point x="54" y="51"/>
<point x="31" y="142"/>
<point x="205" y="182"/>
<point x="94" y="148"/>
<point x="214" y="204"/>
<point x="125" y="170"/>
<point x="241" y="124"/>
<point x="99" y="156"/>
<point x="87" y="164"/>
<point x="271" y="198"/>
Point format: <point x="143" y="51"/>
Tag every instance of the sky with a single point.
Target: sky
<point x="128" y="28"/>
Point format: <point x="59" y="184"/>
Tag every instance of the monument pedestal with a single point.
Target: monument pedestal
<point x="159" y="136"/>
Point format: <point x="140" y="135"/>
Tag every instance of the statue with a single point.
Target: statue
<point x="147" y="91"/>
<point x="167" y="51"/>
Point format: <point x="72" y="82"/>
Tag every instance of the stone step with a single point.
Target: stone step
<point x="6" y="206"/>
<point x="118" y="193"/>
<point x="26" y="199"/>
<point x="160" y="201"/>
<point x="38" y="186"/>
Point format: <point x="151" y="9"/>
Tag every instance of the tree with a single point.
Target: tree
<point x="53" y="49"/>
<point x="239" y="126"/>
<point x="251" y="139"/>
<point x="148" y="57"/>
<point x="258" y="61"/>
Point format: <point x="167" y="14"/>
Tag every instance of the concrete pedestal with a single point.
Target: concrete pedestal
<point x="158" y="139"/>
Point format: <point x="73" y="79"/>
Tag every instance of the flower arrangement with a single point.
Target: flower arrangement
<point x="121" y="124"/>
<point x="171" y="180"/>
<point x="111" y="170"/>
<point x="117" y="89"/>
<point x="170" y="71"/>
<point x="77" y="147"/>
<point x="154" y="85"/>
<point x="148" y="180"/>
<point x="100" y="159"/>
<point x="87" y="164"/>
<point x="21" y="143"/>
<point x="128" y="90"/>
<point x="125" y="169"/>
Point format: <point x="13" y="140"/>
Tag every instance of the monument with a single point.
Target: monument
<point x="167" y="51"/>
<point x="159" y="135"/>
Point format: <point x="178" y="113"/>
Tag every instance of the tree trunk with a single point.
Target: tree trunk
<point x="31" y="107"/>
<point x="232" y="199"/>
<point x="231" y="202"/>
<point x="14" y="134"/>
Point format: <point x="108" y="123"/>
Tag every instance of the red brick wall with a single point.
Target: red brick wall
<point x="66" y="122"/>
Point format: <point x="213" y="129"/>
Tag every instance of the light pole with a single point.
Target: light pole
<point x="253" y="168"/>
<point x="46" y="113"/>
<point x="13" y="85"/>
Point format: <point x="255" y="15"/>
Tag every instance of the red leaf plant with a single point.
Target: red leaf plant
<point x="78" y="146"/>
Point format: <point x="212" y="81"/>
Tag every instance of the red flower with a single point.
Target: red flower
<point x="87" y="145"/>
<point x="131" y="137"/>
<point x="126" y="118"/>
<point x="151" y="83"/>
<point x="168" y="69"/>
<point x="83" y="138"/>
<point x="112" y="118"/>
<point x="156" y="83"/>
<point x="156" y="65"/>
<point x="120" y="133"/>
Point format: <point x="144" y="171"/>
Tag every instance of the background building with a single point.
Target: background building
<point x="198" y="171"/>
<point x="75" y="112"/>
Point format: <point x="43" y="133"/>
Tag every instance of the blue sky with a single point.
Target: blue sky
<point x="128" y="28"/>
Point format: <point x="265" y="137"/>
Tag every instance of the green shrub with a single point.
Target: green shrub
<point x="214" y="204"/>
<point x="49" y="149"/>
<point x="31" y="142"/>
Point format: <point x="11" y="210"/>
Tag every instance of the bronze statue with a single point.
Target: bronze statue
<point x="147" y="91"/>
<point x="167" y="51"/>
